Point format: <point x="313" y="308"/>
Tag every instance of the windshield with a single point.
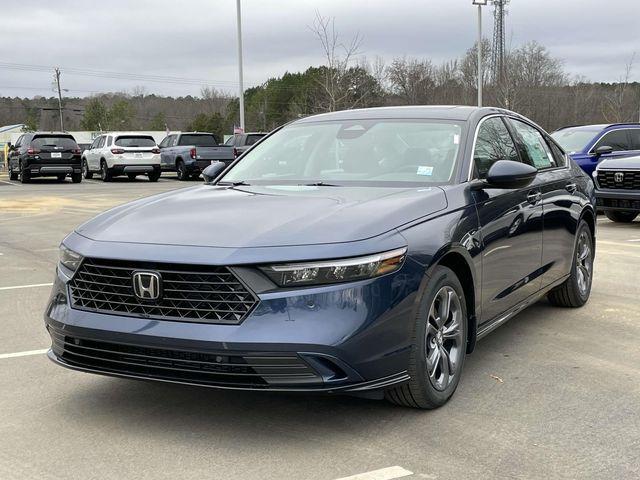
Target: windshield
<point x="574" y="139"/>
<point x="198" y="140"/>
<point x="135" y="141"/>
<point x="354" y="151"/>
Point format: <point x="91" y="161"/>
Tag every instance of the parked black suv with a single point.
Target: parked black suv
<point x="45" y="154"/>
<point x="618" y="188"/>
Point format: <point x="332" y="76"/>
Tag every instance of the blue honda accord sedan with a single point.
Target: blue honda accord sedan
<point x="360" y="252"/>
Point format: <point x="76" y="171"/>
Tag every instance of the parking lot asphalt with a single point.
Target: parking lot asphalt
<point x="554" y="393"/>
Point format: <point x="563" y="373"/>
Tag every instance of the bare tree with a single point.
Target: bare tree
<point x="616" y="107"/>
<point x="412" y="80"/>
<point x="337" y="76"/>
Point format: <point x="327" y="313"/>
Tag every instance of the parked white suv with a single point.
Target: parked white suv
<point x="122" y="153"/>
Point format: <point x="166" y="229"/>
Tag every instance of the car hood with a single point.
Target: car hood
<point x="621" y="163"/>
<point x="262" y="216"/>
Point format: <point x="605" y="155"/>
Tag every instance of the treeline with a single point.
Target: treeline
<point x="532" y="82"/>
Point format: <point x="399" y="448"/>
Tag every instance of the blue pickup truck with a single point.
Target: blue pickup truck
<point x="588" y="145"/>
<point x="188" y="153"/>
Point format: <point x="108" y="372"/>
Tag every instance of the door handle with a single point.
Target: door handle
<point x="571" y="187"/>
<point x="534" y="197"/>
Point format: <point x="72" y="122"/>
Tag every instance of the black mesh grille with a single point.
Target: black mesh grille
<point x="630" y="179"/>
<point x="197" y="293"/>
<point x="248" y="370"/>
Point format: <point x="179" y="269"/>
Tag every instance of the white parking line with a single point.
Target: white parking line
<point x="10" y="183"/>
<point x="383" y="474"/>
<point x="23" y="354"/>
<point x="15" y="287"/>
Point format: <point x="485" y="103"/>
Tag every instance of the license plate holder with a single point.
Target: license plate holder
<point x="56" y="155"/>
<point x="137" y="155"/>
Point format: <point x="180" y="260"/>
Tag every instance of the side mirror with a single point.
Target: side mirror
<point x="212" y="171"/>
<point x="508" y="174"/>
<point x="603" y="150"/>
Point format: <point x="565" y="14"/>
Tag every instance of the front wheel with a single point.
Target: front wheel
<point x="439" y="343"/>
<point x="24" y="174"/>
<point x="575" y="291"/>
<point x="76" y="177"/>
<point x="621" y="217"/>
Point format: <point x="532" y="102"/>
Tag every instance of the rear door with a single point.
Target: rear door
<point x="167" y="159"/>
<point x="560" y="201"/>
<point x="510" y="226"/>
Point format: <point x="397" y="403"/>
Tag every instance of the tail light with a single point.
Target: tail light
<point x="76" y="151"/>
<point x="236" y="152"/>
<point x="117" y="151"/>
<point x="33" y="151"/>
<point x="192" y="153"/>
<point x="155" y="150"/>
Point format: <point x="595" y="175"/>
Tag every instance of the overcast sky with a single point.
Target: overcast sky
<point x="195" y="40"/>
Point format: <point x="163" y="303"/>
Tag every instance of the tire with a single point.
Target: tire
<point x="132" y="176"/>
<point x="76" y="177"/>
<point x="575" y="291"/>
<point x="61" y="177"/>
<point x="86" y="173"/>
<point x="621" y="217"/>
<point x="13" y="175"/>
<point x="195" y="176"/>
<point x="24" y="174"/>
<point x="154" y="176"/>
<point x="181" y="169"/>
<point x="432" y="391"/>
<point x="105" y="172"/>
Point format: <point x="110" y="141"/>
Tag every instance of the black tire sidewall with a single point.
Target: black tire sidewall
<point x="583" y="226"/>
<point x="440" y="277"/>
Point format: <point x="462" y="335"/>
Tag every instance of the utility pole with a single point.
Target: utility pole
<point x="241" y="92"/>
<point x="480" y="4"/>
<point x="57" y="77"/>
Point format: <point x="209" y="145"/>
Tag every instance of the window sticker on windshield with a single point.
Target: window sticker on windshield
<point x="456" y="139"/>
<point x="423" y="170"/>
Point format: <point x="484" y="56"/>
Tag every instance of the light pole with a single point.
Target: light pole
<point x="241" y="93"/>
<point x="480" y="4"/>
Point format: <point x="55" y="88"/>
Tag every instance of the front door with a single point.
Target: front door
<point x="510" y="225"/>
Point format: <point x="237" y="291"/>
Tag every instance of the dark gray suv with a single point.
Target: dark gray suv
<point x="45" y="154"/>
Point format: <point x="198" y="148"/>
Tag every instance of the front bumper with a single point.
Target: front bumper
<point x="350" y="337"/>
<point x="618" y="200"/>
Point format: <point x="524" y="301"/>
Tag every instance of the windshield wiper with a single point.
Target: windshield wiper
<point x="319" y="184"/>
<point x="233" y="184"/>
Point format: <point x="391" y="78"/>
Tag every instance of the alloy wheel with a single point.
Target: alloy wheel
<point x="584" y="262"/>
<point x="444" y="347"/>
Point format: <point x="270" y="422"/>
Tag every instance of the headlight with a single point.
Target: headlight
<point x="334" y="271"/>
<point x="69" y="258"/>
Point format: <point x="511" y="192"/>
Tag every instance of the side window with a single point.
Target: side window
<point x="558" y="154"/>
<point x="230" y="141"/>
<point x="164" y="142"/>
<point x="536" y="148"/>
<point x="19" y="141"/>
<point x="617" y="139"/>
<point x="174" y="141"/>
<point x="101" y="142"/>
<point x="109" y="140"/>
<point x="635" y="138"/>
<point x="493" y="143"/>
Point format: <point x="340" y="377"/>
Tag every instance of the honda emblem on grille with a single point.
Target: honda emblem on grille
<point x="147" y="285"/>
<point x="618" y="177"/>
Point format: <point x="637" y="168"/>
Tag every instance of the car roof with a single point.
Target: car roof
<point x="440" y="112"/>
<point x="65" y="134"/>
<point x="599" y="126"/>
<point x="137" y="134"/>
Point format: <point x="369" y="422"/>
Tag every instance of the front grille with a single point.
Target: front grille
<point x="244" y="370"/>
<point x="631" y="179"/>
<point x="196" y="293"/>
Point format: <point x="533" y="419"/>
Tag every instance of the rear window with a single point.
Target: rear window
<point x="200" y="140"/>
<point x="54" y="141"/>
<point x="251" y="139"/>
<point x="135" y="141"/>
